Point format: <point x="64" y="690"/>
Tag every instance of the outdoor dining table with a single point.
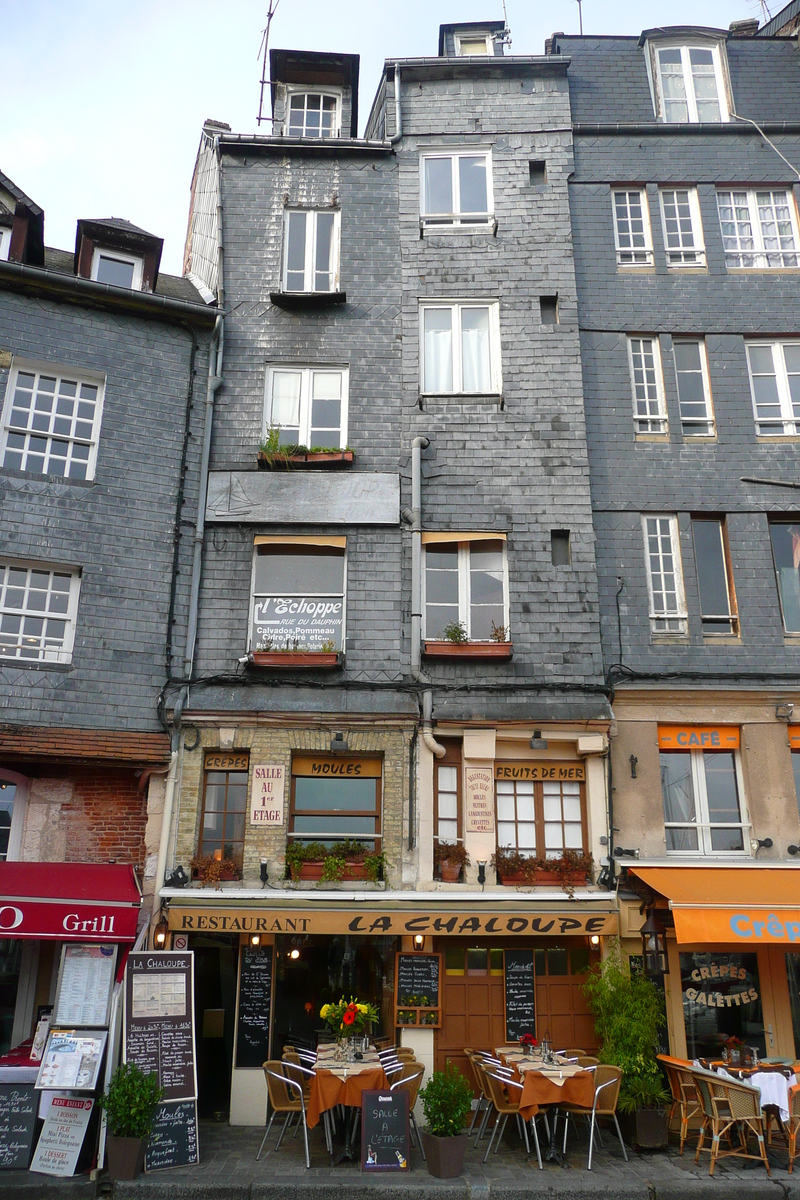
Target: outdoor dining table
<point x="343" y="1083"/>
<point x="774" y="1086"/>
<point x="551" y="1086"/>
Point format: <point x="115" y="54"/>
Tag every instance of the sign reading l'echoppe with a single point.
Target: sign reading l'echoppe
<point x="297" y="623"/>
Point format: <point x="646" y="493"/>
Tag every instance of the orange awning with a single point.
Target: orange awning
<point x="740" y="906"/>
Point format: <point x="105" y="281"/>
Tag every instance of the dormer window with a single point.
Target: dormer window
<point x="474" y="44"/>
<point x="117" y="269"/>
<point x="689" y="83"/>
<point x="312" y="114"/>
<point x="5" y="243"/>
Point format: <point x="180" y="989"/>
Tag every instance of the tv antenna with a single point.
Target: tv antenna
<point x="505" y="37"/>
<point x="580" y="16"/>
<point x="273" y="5"/>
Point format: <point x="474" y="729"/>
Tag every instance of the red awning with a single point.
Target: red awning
<point x="78" y="902"/>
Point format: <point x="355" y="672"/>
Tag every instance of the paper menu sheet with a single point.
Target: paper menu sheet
<point x="159" y="994"/>
<point x="72" y="1059"/>
<point x="84" y="986"/>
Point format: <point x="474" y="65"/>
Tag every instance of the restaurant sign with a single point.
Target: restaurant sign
<point x="266" y="794"/>
<point x="297" y="623"/>
<point x="478" y="800"/>
<point x="464" y="924"/>
<point x="535" y="772"/>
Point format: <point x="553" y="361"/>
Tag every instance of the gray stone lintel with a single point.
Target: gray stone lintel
<point x="304" y="498"/>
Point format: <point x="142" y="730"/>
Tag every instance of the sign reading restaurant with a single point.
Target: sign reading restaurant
<point x="238" y="920"/>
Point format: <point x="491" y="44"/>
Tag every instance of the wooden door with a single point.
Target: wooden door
<point x="473" y="1003"/>
<point x="561" y="1006"/>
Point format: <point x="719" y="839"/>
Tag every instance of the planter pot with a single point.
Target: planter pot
<point x="445" y="1155"/>
<point x="125" y="1156"/>
<point x="355" y="870"/>
<point x="307" y="870"/>
<point x="477" y="650"/>
<point x="333" y="459"/>
<point x="303" y="660"/>
<point x="552" y="879"/>
<point x="450" y="871"/>
<point x="518" y="879"/>
<point x="647" y="1128"/>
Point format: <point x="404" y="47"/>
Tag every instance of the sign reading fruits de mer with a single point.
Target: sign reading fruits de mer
<point x="266" y="794"/>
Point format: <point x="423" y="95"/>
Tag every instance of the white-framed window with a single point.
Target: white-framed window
<point x="51" y="420"/>
<point x="683" y="228"/>
<point x="460" y="341"/>
<point x="785" y="538"/>
<point x="298" y="595"/>
<point x="311" y="250"/>
<point x="719" y="616"/>
<point x="474" y="43"/>
<point x="702" y="795"/>
<point x="313" y="114"/>
<point x="14" y="790"/>
<point x="456" y="189"/>
<point x="647" y="384"/>
<point x="694" y="387"/>
<point x="662" y="555"/>
<point x="5" y="243"/>
<point x="774" y="369"/>
<point x="38" y="609"/>
<point x="759" y="227"/>
<point x="466" y="584"/>
<point x="690" y="82"/>
<point x="117" y="268"/>
<point x="308" y="405"/>
<point x="632" y="236"/>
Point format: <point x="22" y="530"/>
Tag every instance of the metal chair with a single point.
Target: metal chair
<point x="410" y="1081"/>
<point x="607" y="1080"/>
<point x="727" y="1103"/>
<point x="685" y="1099"/>
<point x="586" y="1060"/>
<point x="500" y="1089"/>
<point x="285" y="1096"/>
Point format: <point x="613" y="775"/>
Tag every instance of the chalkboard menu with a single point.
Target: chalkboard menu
<point x="173" y="1141"/>
<point x="384" y="1131"/>
<point x="255" y="999"/>
<point x="159" y="1019"/>
<point x="520" y="994"/>
<point x="18" y="1107"/>
<point x="416" y="983"/>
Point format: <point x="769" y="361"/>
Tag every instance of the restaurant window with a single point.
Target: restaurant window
<point x="662" y="553"/>
<point x="307" y="405"/>
<point x="334" y="799"/>
<point x="786" y="557"/>
<point x="702" y="792"/>
<point x="466" y="585"/>
<point x="472" y="960"/>
<point x="647" y="385"/>
<point x="10" y="972"/>
<point x="559" y="960"/>
<point x="718" y="613"/>
<point x="312" y="114"/>
<point x="447" y="794"/>
<point x="538" y="816"/>
<point x="694" y="388"/>
<point x="311" y="250"/>
<point x="460" y="343"/>
<point x="298" y="595"/>
<point x="683" y="228"/>
<point x="632" y="235"/>
<point x="13" y="793"/>
<point x="793" y="979"/>
<point x="222" y="825"/>
<point x="456" y="189"/>
<point x="721" y="999"/>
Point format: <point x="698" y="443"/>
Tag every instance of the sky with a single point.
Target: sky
<point x="108" y="99"/>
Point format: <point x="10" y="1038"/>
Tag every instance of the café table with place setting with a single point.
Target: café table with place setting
<point x="548" y="1081"/>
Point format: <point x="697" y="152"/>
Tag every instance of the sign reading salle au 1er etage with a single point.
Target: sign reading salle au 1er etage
<point x="266" y="794"/>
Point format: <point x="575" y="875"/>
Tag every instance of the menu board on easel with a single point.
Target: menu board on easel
<point x="520" y="993"/>
<point x="159" y="1019"/>
<point x="253" y="1009"/>
<point x="85" y="984"/>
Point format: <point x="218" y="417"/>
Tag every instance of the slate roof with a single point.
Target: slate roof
<point x="119" y="223"/>
<point x="62" y="262"/>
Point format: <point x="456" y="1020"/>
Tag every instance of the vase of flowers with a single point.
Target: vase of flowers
<point x="349" y="1019"/>
<point x="527" y="1041"/>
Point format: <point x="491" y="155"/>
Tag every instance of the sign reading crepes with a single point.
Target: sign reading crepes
<point x="225" y="760"/>
<point x="266" y="794"/>
<point x="534" y="772"/>
<point x="265" y="920"/>
<point x="478" y="800"/>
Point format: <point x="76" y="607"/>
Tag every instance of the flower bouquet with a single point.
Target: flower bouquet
<point x="527" y="1041"/>
<point x="349" y="1018"/>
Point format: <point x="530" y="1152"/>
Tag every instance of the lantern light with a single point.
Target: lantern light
<point x="654" y="946"/>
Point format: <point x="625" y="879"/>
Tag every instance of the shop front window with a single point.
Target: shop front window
<point x="702" y="806"/>
<point x="793" y="979"/>
<point x="10" y="965"/>
<point x="336" y="799"/>
<point x="7" y="793"/>
<point x="721" y="999"/>
<point x="224" y="808"/>
<point x="540" y="817"/>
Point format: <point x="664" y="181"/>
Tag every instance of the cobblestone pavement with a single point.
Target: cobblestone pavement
<point x="228" y="1169"/>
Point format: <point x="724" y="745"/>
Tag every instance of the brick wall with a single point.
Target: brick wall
<point x="85" y="814"/>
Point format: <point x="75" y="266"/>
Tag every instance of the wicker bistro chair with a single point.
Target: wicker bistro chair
<point x="285" y="1096"/>
<point x="793" y="1126"/>
<point x="501" y="1091"/>
<point x="685" y="1099"/>
<point x="482" y="1064"/>
<point x="586" y="1060"/>
<point x="607" y="1080"/>
<point x="410" y="1081"/>
<point x="728" y="1105"/>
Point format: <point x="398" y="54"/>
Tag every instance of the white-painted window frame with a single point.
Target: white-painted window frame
<point x="653" y="421"/>
<point x="759" y="255"/>
<point x="309" y="269"/>
<point x="464" y="600"/>
<point x="38" y="369"/>
<point x="306" y="372"/>
<point x="135" y="260"/>
<point x="22" y="790"/>
<point x="705" y="426"/>
<point x="688" y="79"/>
<point x="5" y="242"/>
<point x="666" y="620"/>
<point x="62" y="654"/>
<point x="684" y="255"/>
<point x="631" y="255"/>
<point x="787" y="424"/>
<point x="461" y="39"/>
<point x="495" y="366"/>
<point x="309" y="90"/>
<point x="703" y="825"/>
<point x="287" y="544"/>
<point x="456" y="220"/>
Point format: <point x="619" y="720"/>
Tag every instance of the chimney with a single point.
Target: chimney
<point x="549" y="45"/>
<point x="747" y="28"/>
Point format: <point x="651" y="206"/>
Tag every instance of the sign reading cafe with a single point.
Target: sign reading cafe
<point x="297" y="623"/>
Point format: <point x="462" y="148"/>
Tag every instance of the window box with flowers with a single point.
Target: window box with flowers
<point x="344" y="862"/>
<point x="450" y="858"/>
<point x="274" y="456"/>
<point x="455" y="644"/>
<point x="569" y="870"/>
<point x="211" y="869"/>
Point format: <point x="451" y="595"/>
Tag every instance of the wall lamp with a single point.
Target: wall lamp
<point x="654" y="946"/>
<point x="537" y="742"/>
<point x="264" y="872"/>
<point x="419" y="941"/>
<point x="621" y="852"/>
<point x="761" y="844"/>
<point x="784" y="710"/>
<point x="339" y="744"/>
<point x="482" y="871"/>
<point x="255" y="939"/>
<point x="161" y="932"/>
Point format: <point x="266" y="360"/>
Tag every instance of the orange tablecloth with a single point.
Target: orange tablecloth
<point x="538" y="1090"/>
<point x="328" y="1090"/>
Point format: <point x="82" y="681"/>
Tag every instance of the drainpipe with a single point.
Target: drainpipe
<point x="398" y="112"/>
<point x="169" y="797"/>
<point x="415" y="515"/>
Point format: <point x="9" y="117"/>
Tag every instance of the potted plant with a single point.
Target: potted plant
<point x="454" y="643"/>
<point x="628" y="1014"/>
<point x="305" y="860"/>
<point x="207" y="868"/>
<point x="450" y="858"/>
<point x="527" y="1042"/>
<point x="130" y="1106"/>
<point x="514" y="869"/>
<point x="446" y="1103"/>
<point x="272" y="455"/>
<point x="570" y="870"/>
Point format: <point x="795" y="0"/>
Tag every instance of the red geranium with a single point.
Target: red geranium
<point x="527" y="1039"/>
<point x="349" y="1016"/>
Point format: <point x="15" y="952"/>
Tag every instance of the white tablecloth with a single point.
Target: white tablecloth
<point x="773" y="1086"/>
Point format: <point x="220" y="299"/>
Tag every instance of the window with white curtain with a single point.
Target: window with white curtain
<point x="690" y="84"/>
<point x="460" y="343"/>
<point x="759" y="227"/>
<point x="311" y="250"/>
<point x="308" y="405"/>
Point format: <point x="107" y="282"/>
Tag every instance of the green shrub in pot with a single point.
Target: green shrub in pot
<point x="446" y="1103"/>
<point x="130" y="1106"/>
